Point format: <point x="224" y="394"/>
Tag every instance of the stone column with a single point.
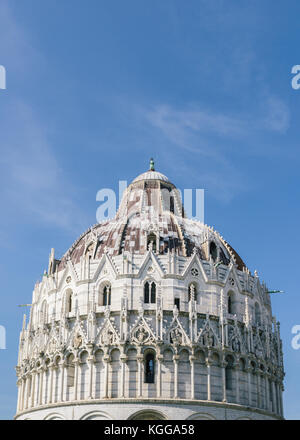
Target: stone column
<point x="281" y="402"/>
<point x="192" y="362"/>
<point x="223" y="367"/>
<point x="123" y="359"/>
<point x="27" y="390"/>
<point x="21" y="392"/>
<point x="77" y="368"/>
<point x="19" y="383"/>
<point x="274" y="395"/>
<point x="237" y="383"/>
<point x="106" y="360"/>
<point x="41" y="386"/>
<point x="52" y="369"/>
<point x="140" y="359"/>
<point x="263" y="389"/>
<point x="259" y="404"/>
<point x="267" y="392"/>
<point x="249" y="371"/>
<point x="208" y="365"/>
<point x="159" y="361"/>
<point x="62" y="380"/>
<point x="91" y="372"/>
<point x="176" y="360"/>
<point x="36" y="388"/>
<point x="33" y="388"/>
<point x="277" y="397"/>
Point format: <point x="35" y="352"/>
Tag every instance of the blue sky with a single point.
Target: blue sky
<point x="94" y="89"/>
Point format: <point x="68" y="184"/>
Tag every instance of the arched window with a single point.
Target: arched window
<point x="193" y="292"/>
<point x="69" y="301"/>
<point x="231" y="303"/>
<point x="149" y="368"/>
<point x="153" y="293"/>
<point x="149" y="292"/>
<point x="177" y="303"/>
<point x="213" y="251"/>
<point x="43" y="313"/>
<point x="107" y="295"/>
<point x="146" y="293"/>
<point x="151" y="239"/>
<point x="257" y="314"/>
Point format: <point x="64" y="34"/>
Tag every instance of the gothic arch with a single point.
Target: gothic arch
<point x="54" y="416"/>
<point x="104" y="293"/>
<point x="96" y="415"/>
<point x="69" y="300"/>
<point x="257" y="313"/>
<point x="231" y="302"/>
<point x="200" y="355"/>
<point x="98" y="351"/>
<point x="215" y="358"/>
<point x="182" y="350"/>
<point x="147" y="414"/>
<point x="168" y="348"/>
<point x="82" y="353"/>
<point x="149" y="366"/>
<point x="150" y="291"/>
<point x="56" y="358"/>
<point x="44" y="312"/>
<point x="201" y="416"/>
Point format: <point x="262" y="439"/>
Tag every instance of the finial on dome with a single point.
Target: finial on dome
<point x="152" y="164"/>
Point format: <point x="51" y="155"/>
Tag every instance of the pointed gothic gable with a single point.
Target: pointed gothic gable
<point x="77" y="336"/>
<point x="176" y="334"/>
<point x="106" y="263"/>
<point x="194" y="262"/>
<point x="52" y="342"/>
<point x="141" y="333"/>
<point x="258" y="347"/>
<point x="39" y="342"/>
<point x="231" y="274"/>
<point x="69" y="271"/>
<point x="108" y="334"/>
<point x="150" y="259"/>
<point x="236" y="341"/>
<point x="37" y="345"/>
<point x="207" y="336"/>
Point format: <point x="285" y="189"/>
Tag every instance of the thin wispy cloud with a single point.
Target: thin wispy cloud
<point x="180" y="124"/>
<point x="212" y="136"/>
<point x="277" y="115"/>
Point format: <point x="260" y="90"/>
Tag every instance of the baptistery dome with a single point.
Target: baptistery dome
<point x="150" y="315"/>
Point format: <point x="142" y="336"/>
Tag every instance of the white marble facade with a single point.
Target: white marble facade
<point x="150" y="317"/>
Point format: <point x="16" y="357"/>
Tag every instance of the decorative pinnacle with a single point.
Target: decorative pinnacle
<point x="152" y="164"/>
